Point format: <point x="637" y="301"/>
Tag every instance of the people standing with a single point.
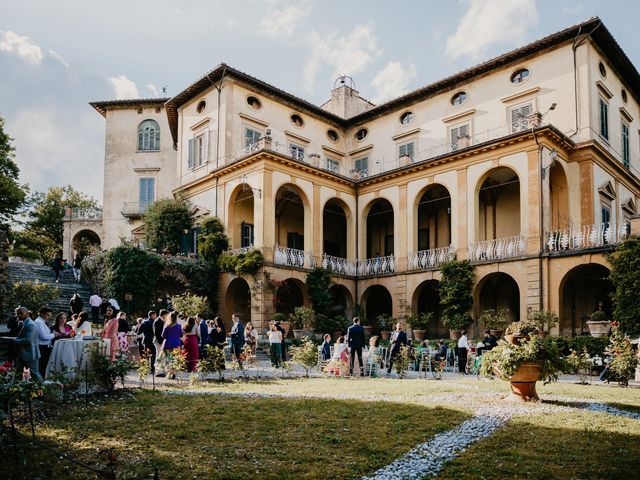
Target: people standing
<point x="82" y="327"/>
<point x="111" y="332"/>
<point x="326" y="347"/>
<point x="147" y="333"/>
<point x="463" y="348"/>
<point x="123" y="330"/>
<point x="251" y="337"/>
<point x="398" y="340"/>
<point x="203" y="338"/>
<point x="14" y="324"/>
<point x="172" y="335"/>
<point x="76" y="304"/>
<point x="27" y="346"/>
<point x="58" y="265"/>
<point x="490" y="341"/>
<point x="158" y="341"/>
<point x="95" y="301"/>
<point x="60" y="328"/>
<point x="356" y="342"/>
<point x="114" y="305"/>
<point x="44" y="337"/>
<point x="191" y="333"/>
<point x="77" y="267"/>
<point x="237" y="338"/>
<point x="283" y="345"/>
<point x="275" y="339"/>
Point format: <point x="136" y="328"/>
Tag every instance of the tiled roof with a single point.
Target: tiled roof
<point x="102" y="106"/>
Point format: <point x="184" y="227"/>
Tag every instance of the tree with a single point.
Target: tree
<point x="164" y="223"/>
<point x="12" y="194"/>
<point x="212" y="240"/>
<point x="455" y="294"/>
<point x="318" y="284"/>
<point x="189" y="304"/>
<point x="625" y="276"/>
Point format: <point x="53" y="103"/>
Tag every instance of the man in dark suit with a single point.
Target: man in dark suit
<point x="355" y="342"/>
<point x="27" y="343"/>
<point x="148" y="335"/>
<point x="204" y="335"/>
<point x="398" y="339"/>
<point x="14" y="324"/>
<point x="237" y="338"/>
<point x="158" y="327"/>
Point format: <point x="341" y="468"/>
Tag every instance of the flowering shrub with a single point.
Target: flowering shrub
<point x="578" y="364"/>
<point x="23" y="387"/>
<point x="402" y="361"/>
<point x="106" y="372"/>
<point x="305" y="355"/>
<point x="624" y="361"/>
<point x="214" y="363"/>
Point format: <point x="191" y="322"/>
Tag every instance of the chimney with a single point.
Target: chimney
<point x="346" y="101"/>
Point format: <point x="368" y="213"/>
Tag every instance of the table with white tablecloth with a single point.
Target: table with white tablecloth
<point x="72" y="355"/>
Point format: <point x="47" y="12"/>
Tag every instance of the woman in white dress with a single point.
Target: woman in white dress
<point x="82" y="326"/>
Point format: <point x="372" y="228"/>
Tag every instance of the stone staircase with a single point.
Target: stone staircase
<point x="44" y="274"/>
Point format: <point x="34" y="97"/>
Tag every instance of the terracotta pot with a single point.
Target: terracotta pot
<point x="514" y="339"/>
<point x="454" y="334"/>
<point x="599" y="329"/>
<point x="543" y="333"/>
<point x="299" y="333"/>
<point x="419" y="334"/>
<point x="286" y="326"/>
<point x="318" y="336"/>
<point x="497" y="333"/>
<point x="523" y="382"/>
<point x="385" y="334"/>
<point x="367" y="330"/>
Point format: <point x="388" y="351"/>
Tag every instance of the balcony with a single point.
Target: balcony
<point x="377" y="266"/>
<point x="292" y="257"/>
<point x="134" y="209"/>
<point x="431" y="259"/>
<point x="588" y="236"/>
<point x="83" y="214"/>
<point x="241" y="250"/>
<point x="496" y="249"/>
<point x="340" y="266"/>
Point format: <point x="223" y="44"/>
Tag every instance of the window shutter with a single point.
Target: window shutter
<point x="192" y="151"/>
<point x="157" y="145"/>
<point x="151" y="185"/>
<point x="205" y="147"/>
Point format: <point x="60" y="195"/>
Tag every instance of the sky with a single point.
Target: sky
<point x="56" y="57"/>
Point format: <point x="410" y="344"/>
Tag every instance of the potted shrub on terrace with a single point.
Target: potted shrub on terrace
<point x="516" y="332"/>
<point x="523" y="365"/>
<point x="284" y="323"/>
<point x="385" y="323"/>
<point x="419" y="323"/>
<point x="302" y="320"/>
<point x="456" y="322"/>
<point x="598" y="324"/>
<point x="366" y="324"/>
<point x="495" y="320"/>
<point x="545" y="319"/>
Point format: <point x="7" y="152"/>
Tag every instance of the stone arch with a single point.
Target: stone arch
<point x="432" y="217"/>
<point x="581" y="289"/>
<point x="342" y="301"/>
<point x="379" y="228"/>
<point x="337" y="228"/>
<point x="240" y="216"/>
<point x="497" y="204"/>
<point x="237" y="300"/>
<point x="292" y="212"/>
<point x="497" y="290"/>
<point x="92" y="237"/>
<point x="291" y="295"/>
<point x="426" y="298"/>
<point x="558" y="198"/>
<point x="376" y="300"/>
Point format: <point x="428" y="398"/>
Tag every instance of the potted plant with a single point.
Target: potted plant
<point x="385" y="324"/>
<point x="456" y="322"/>
<point x="517" y="331"/>
<point x="284" y="323"/>
<point x="523" y="365"/>
<point x="598" y="324"/>
<point x="338" y="327"/>
<point x="545" y="319"/>
<point x="495" y="320"/>
<point x="419" y="323"/>
<point x="366" y="324"/>
<point x="302" y="320"/>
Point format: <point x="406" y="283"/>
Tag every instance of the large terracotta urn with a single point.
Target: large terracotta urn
<point x="286" y="326"/>
<point x="523" y="382"/>
<point x="419" y="334"/>
<point x="599" y="328"/>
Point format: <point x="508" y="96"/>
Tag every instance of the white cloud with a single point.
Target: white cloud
<point x="20" y="45"/>
<point x="58" y="57"/>
<point x="124" y="88"/>
<point x="490" y="22"/>
<point x="153" y="89"/>
<point x="349" y="54"/>
<point x="280" y="20"/>
<point x="392" y="81"/>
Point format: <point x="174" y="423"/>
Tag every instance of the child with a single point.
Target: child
<point x="326" y="347"/>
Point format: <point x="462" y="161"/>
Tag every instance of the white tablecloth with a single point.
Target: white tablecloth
<point x="73" y="355"/>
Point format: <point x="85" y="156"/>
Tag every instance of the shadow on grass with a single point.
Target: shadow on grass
<point x="232" y="437"/>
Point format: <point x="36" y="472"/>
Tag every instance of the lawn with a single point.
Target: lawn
<point x="233" y="437"/>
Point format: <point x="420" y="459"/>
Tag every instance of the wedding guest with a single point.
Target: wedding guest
<point x="275" y="338"/>
<point x="191" y="332"/>
<point x="442" y="350"/>
<point x="172" y="335"/>
<point x="27" y="346"/>
<point x="463" y="348"/>
<point x="251" y="337"/>
<point x="283" y="345"/>
<point x="136" y="330"/>
<point x="95" y="301"/>
<point x="356" y="342"/>
<point x="14" y="325"/>
<point x="490" y="341"/>
<point x="203" y="338"/>
<point x="77" y="267"/>
<point x="111" y="332"/>
<point x="218" y="336"/>
<point x="340" y="358"/>
<point x="44" y="337"/>
<point x="374" y="359"/>
<point x="82" y="327"/>
<point x="237" y="338"/>
<point x="123" y="329"/>
<point x="104" y="304"/>
<point x="326" y="347"/>
<point x="114" y="305"/>
<point x="158" y="341"/>
<point x="60" y="327"/>
<point x="146" y="331"/>
<point x="398" y="340"/>
<point x="58" y="265"/>
<point x="76" y="303"/>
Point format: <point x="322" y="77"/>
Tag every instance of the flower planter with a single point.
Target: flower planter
<point x="514" y="339"/>
<point x="419" y="334"/>
<point x="286" y="326"/>
<point x="599" y="328"/>
<point x="368" y="330"/>
<point x="523" y="382"/>
<point x="385" y="334"/>
<point x="299" y="333"/>
<point x="454" y="334"/>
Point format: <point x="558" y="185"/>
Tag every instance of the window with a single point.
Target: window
<point x="297" y="152"/>
<point x="406" y="118"/>
<point x="606" y="212"/>
<point x="149" y="136"/>
<point x="246" y="235"/>
<point x="297" y="120"/>
<point x="602" y="69"/>
<point x="332" y="135"/>
<point x="459" y="136"/>
<point x="198" y="150"/>
<point x="625" y="145"/>
<point x="333" y="165"/>
<point x="361" y="134"/>
<point x="295" y="240"/>
<point x="407" y="150"/>
<point x="458" y="98"/>
<point x="201" y="106"/>
<point x="254" y="103"/>
<point x="519" y="117"/>
<point x="361" y="165"/>
<point x="519" y="75"/>
<point x="623" y="93"/>
<point x="146" y="193"/>
<point x="251" y="136"/>
<point x="604" y="119"/>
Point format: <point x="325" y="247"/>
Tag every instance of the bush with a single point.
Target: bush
<point x="189" y="304"/>
<point x="578" y="364"/>
<point x="455" y="294"/>
<point x="545" y="319"/>
<point x="164" y="222"/>
<point x="106" y="372"/>
<point x="625" y="276"/>
<point x="402" y="361"/>
<point x="318" y="284"/>
<point x="213" y="363"/>
<point x="624" y="360"/>
<point x="420" y="321"/>
<point x="279" y="317"/>
<point x="241" y="263"/>
<point x="31" y="294"/>
<point x="305" y="355"/>
<point x="595" y="346"/>
<point x="523" y="327"/>
<point x="211" y="240"/>
<point x="495" y="319"/>
<point x="301" y="318"/>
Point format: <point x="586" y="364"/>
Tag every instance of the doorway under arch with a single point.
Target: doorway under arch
<point x="426" y="298"/>
<point x="498" y="290"/>
<point x="581" y="291"/>
<point x="289" y="296"/>
<point x="377" y="301"/>
<point x="237" y="300"/>
<point x="498" y="205"/>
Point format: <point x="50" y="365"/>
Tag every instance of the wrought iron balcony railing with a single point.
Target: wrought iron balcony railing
<point x="86" y="214"/>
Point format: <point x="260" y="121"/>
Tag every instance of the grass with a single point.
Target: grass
<point x="232" y="437"/>
<point x="567" y="445"/>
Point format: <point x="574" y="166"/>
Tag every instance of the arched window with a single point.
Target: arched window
<point x="149" y="136"/>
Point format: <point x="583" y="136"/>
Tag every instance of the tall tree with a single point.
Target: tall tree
<point x="12" y="194"/>
<point x="164" y="223"/>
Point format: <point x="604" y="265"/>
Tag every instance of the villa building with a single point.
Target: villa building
<point x="527" y="165"/>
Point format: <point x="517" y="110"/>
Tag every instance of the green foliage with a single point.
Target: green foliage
<point x="106" y="372"/>
<point x="87" y="247"/>
<point x="593" y="345"/>
<point x="420" y="321"/>
<point x="385" y="322"/>
<point x="31" y="294"/>
<point x="164" y="222"/>
<point x="625" y="276"/>
<point x="305" y="355"/>
<point x="214" y="363"/>
<point x="578" y="364"/>
<point x="318" y="284"/>
<point x="545" y="319"/>
<point x="624" y="360"/>
<point x="455" y="294"/>
<point x="144" y="367"/>
<point x="523" y="328"/>
<point x="241" y="263"/>
<point x="402" y="361"/>
<point x="495" y="319"/>
<point x="506" y="358"/>
<point x="279" y="317"/>
<point x="189" y="304"/>
<point x="301" y="318"/>
<point x="212" y="240"/>
<point x="12" y="194"/>
<point x="598" y="316"/>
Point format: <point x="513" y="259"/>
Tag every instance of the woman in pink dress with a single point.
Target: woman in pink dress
<point x="190" y="340"/>
<point x="111" y="332"/>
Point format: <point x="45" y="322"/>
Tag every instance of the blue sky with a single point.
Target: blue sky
<point x="55" y="57"/>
